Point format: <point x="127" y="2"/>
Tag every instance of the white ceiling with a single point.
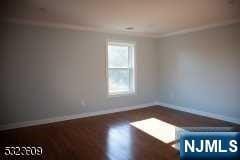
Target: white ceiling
<point x="148" y="17"/>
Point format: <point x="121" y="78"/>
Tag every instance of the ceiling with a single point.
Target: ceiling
<point x="147" y="17"/>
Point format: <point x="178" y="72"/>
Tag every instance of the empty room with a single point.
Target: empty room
<point x="120" y="80"/>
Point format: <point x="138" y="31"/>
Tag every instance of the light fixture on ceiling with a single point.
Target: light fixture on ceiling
<point x="129" y="28"/>
<point x="231" y="2"/>
<point x="42" y="9"/>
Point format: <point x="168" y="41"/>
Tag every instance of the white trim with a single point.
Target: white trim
<point x="70" y="117"/>
<point x="199" y="112"/>
<point x="201" y="28"/>
<point x="120" y="94"/>
<point x="130" y="33"/>
<point x="114" y="110"/>
<point x="77" y="27"/>
<point x="132" y="89"/>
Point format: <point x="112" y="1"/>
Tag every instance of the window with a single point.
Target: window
<point x="120" y="68"/>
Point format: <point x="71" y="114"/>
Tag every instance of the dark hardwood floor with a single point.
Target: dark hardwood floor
<point x="106" y="137"/>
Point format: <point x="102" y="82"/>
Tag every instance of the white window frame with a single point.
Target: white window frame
<point x="132" y="89"/>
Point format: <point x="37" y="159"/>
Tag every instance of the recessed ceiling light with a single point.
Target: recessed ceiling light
<point x="231" y="2"/>
<point x="42" y="9"/>
<point x="129" y="28"/>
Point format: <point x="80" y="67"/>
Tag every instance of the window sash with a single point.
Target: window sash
<point x="130" y="68"/>
<point x="129" y="80"/>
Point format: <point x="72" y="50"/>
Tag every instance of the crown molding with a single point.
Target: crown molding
<point x="77" y="27"/>
<point x="102" y="30"/>
<point x="201" y="28"/>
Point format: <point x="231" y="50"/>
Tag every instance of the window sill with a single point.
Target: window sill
<point x="121" y="94"/>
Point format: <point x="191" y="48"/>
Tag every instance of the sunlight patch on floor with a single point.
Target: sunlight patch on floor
<point x="161" y="130"/>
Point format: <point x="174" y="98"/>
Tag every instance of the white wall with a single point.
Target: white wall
<point x="47" y="72"/>
<point x="201" y="70"/>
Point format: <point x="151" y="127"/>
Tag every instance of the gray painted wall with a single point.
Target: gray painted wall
<point x="47" y="72"/>
<point x="201" y="70"/>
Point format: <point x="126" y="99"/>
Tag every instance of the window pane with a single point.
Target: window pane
<point x="118" y="80"/>
<point x="117" y="56"/>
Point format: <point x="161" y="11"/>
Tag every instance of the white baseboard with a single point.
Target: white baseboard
<point x="114" y="110"/>
<point x="70" y="117"/>
<point x="198" y="112"/>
